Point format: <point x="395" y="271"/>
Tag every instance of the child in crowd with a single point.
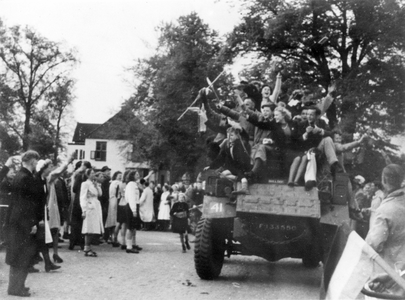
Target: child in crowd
<point x="180" y="214"/>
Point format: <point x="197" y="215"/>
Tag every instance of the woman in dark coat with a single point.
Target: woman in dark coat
<point x="22" y="224"/>
<point x="180" y="214"/>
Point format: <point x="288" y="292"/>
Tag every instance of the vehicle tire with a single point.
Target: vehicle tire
<point x="209" y="250"/>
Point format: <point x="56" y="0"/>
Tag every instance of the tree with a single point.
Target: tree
<point x="168" y="82"/>
<point x="59" y="98"/>
<point x="33" y="65"/>
<point x="358" y="43"/>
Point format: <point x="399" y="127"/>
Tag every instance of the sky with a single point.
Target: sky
<point x="109" y="37"/>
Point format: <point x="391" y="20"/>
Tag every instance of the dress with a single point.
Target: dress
<point x="93" y="222"/>
<point x="164" y="207"/>
<point x="146" y="206"/>
<point x="180" y="225"/>
<point x="122" y="206"/>
<point x="115" y="195"/>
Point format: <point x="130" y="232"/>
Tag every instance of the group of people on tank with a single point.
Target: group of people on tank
<point x="258" y="136"/>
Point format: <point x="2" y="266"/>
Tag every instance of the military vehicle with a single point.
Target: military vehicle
<point x="273" y="221"/>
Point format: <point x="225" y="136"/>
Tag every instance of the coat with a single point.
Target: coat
<point x="22" y="246"/>
<point x="146" y="205"/>
<point x="93" y="222"/>
<point x="387" y="230"/>
<point x="180" y="225"/>
<point x="313" y="139"/>
<point x="236" y="162"/>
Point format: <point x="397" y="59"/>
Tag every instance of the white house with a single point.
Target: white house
<point x="106" y="145"/>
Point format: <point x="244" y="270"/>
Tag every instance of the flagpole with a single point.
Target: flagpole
<point x="198" y="97"/>
<point x="390" y="271"/>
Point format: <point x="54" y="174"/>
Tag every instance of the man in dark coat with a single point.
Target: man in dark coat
<point x="9" y="172"/>
<point x="22" y="225"/>
<point x="234" y="158"/>
<point x="105" y="196"/>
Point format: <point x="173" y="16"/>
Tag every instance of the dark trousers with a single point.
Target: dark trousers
<point x="17" y="279"/>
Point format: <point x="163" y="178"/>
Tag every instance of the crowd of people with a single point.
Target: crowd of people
<point x="284" y="140"/>
<point x="88" y="205"/>
<point x="259" y="136"/>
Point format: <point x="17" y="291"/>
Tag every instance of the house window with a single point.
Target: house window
<point x="101" y="152"/>
<point x="81" y="154"/>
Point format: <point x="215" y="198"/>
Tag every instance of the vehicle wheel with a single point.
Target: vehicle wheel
<point x="209" y="250"/>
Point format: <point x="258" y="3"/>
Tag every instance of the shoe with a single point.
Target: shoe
<point x="90" y="253"/>
<point x="60" y="240"/>
<point x="296" y="184"/>
<point x="184" y="251"/>
<point x="123" y="247"/>
<point x="309" y="185"/>
<point x="66" y="236"/>
<point x="51" y="267"/>
<point x="23" y="293"/>
<point x="132" y="251"/>
<point x="137" y="247"/>
<point x="57" y="259"/>
<point x="32" y="270"/>
<point x="115" y="244"/>
<point x="290" y="184"/>
<point x="188" y="245"/>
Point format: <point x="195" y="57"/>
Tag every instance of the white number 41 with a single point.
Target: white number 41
<point x="217" y="207"/>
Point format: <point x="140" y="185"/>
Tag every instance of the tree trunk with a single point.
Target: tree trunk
<point x="27" y="129"/>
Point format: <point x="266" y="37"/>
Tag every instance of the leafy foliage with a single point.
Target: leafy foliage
<point x="168" y="82"/>
<point x="33" y="66"/>
<point x="359" y="44"/>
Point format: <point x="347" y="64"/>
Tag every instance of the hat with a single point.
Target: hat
<point x="360" y="179"/>
<point x="105" y="168"/>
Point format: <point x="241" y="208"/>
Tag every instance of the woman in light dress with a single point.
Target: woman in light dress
<point x="115" y="196"/>
<point x="92" y="213"/>
<point x="164" y="208"/>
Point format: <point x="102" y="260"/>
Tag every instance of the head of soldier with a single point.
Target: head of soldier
<point x="233" y="134"/>
<point x="392" y="177"/>
<point x="337" y="136"/>
<point x="313" y="114"/>
<point x="267" y="110"/>
<point x="30" y="160"/>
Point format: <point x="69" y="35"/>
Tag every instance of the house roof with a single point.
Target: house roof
<point x="117" y="127"/>
<point x="82" y="130"/>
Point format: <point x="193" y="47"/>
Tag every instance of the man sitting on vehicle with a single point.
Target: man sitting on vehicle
<point x="265" y="143"/>
<point x="241" y="116"/>
<point x="315" y="134"/>
<point x="234" y="159"/>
